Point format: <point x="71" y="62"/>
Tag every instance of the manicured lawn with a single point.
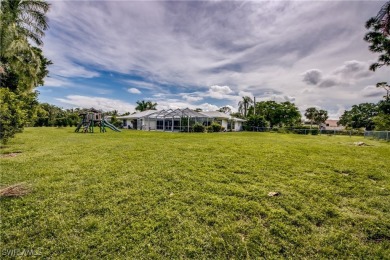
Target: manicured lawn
<point x="144" y="195"/>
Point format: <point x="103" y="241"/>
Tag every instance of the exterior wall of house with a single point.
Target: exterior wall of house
<point x="151" y="124"/>
<point x="237" y="126"/>
<point x="331" y="125"/>
<point x="224" y="123"/>
<point x="127" y="123"/>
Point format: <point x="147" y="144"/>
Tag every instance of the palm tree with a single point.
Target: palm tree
<point x="244" y="105"/>
<point x="386" y="87"/>
<point x="145" y="105"/>
<point x="21" y="21"/>
<point x="383" y="17"/>
<point x="379" y="36"/>
<point x="24" y="19"/>
<point x="151" y="105"/>
<point x="321" y="117"/>
<point x="310" y="114"/>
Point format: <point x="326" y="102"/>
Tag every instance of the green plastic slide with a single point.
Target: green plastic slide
<point x="111" y="126"/>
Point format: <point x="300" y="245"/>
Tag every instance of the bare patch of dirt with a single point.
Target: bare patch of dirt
<point x="16" y="190"/>
<point x="7" y="155"/>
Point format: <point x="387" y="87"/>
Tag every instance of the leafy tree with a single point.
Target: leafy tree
<point x="244" y="105"/>
<point x="145" y="105"/>
<point x="290" y="115"/>
<point x="112" y="113"/>
<point x="382" y="122"/>
<point x="16" y="109"/>
<point x="360" y="116"/>
<point x="310" y="114"/>
<point x="225" y="109"/>
<point x="22" y="65"/>
<point x="320" y="117"/>
<point x="237" y="115"/>
<point x="386" y="87"/>
<point x="379" y="36"/>
<point x="285" y="113"/>
<point x="255" y="121"/>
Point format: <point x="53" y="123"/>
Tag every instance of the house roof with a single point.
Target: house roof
<point x="138" y="114"/>
<point x="216" y="114"/>
<point x="176" y="113"/>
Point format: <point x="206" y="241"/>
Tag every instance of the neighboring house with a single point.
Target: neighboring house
<point x="331" y="124"/>
<point x="178" y="120"/>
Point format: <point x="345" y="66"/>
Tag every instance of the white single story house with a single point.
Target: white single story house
<point x="178" y="120"/>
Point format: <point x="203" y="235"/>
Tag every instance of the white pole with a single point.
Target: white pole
<point x="254" y="105"/>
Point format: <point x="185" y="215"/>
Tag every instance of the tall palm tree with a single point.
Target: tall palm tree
<point x="310" y="114"/>
<point x="21" y="21"/>
<point x="383" y="17"/>
<point x="145" y="105"/>
<point x="24" y="19"/>
<point x="141" y="105"/>
<point x="379" y="36"/>
<point x="244" y="105"/>
<point x="151" y="105"/>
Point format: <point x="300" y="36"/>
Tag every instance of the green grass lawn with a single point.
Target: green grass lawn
<point x="139" y="194"/>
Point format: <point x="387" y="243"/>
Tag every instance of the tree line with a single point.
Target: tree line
<point x="23" y="67"/>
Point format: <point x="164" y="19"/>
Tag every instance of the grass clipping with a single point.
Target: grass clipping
<point x="16" y="190"/>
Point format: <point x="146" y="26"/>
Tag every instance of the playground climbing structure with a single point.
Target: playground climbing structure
<point x="91" y="119"/>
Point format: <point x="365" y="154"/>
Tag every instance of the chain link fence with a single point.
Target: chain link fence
<point x="383" y="135"/>
<point x="306" y="131"/>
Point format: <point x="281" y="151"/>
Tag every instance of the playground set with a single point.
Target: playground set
<point x="93" y="118"/>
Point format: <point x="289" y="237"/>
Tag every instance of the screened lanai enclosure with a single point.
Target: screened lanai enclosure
<point x="178" y="120"/>
<point x="174" y="120"/>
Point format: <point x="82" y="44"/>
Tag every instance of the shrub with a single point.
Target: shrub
<point x="314" y="131"/>
<point x="199" y="128"/>
<point x="16" y="110"/>
<point x="209" y="129"/>
<point x="216" y="127"/>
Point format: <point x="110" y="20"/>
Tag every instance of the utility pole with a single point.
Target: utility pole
<point x="254" y="105"/>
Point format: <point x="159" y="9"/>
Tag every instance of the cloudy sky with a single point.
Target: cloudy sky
<point x="208" y="54"/>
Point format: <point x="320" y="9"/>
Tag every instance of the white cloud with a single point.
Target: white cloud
<point x="220" y="92"/>
<point x="105" y="104"/>
<point x="259" y="45"/>
<point x="372" y="91"/>
<point x="191" y="98"/>
<point x="208" y="107"/>
<point x="220" y="89"/>
<point x="134" y="91"/>
<point x="56" y="82"/>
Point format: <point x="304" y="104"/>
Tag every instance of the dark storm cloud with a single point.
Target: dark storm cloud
<point x="354" y="69"/>
<point x="312" y="77"/>
<point x="327" y="83"/>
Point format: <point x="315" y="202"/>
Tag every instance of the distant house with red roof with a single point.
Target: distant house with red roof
<point x="331" y="124"/>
